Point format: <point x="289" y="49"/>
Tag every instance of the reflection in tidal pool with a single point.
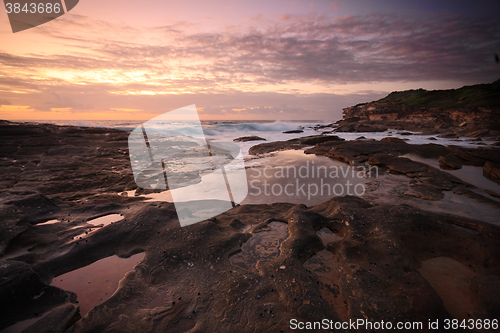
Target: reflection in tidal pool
<point x="48" y="222"/>
<point x="95" y="283"/>
<point x="106" y="219"/>
<point x="470" y="174"/>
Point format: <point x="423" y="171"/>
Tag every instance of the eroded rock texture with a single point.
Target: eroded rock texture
<point x="383" y="262"/>
<point x="187" y="281"/>
<point x="471" y="111"/>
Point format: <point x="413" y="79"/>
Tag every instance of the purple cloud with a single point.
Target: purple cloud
<point x="216" y="67"/>
<point x="5" y="102"/>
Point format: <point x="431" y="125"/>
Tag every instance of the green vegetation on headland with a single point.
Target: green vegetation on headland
<point x="479" y="95"/>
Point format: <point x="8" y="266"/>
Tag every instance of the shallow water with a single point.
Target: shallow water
<point x="97" y="224"/>
<point x="106" y="219"/>
<point x="49" y="222"/>
<point x="470" y="174"/>
<point x="390" y="188"/>
<point x="95" y="283"/>
<point x="291" y="176"/>
<point x="416" y="138"/>
<point x="85" y="233"/>
<point x="294" y="177"/>
<point x="262" y="245"/>
<point x="216" y="130"/>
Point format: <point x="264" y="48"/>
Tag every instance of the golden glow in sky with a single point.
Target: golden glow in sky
<point x="238" y="60"/>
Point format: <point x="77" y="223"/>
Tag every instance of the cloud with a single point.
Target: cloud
<point x="257" y="105"/>
<point x="5" y="102"/>
<point x="232" y="69"/>
<point x="355" y="49"/>
<point x="55" y="100"/>
<point x="371" y="48"/>
<point x="15" y="82"/>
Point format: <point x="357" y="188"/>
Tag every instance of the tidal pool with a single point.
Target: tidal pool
<point x="95" y="283"/>
<point x="48" y="222"/>
<point x="468" y="173"/>
<point x="106" y="219"/>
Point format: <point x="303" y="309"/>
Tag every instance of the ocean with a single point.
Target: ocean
<point x="228" y="130"/>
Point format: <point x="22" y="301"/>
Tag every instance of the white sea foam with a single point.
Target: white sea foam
<point x="219" y="131"/>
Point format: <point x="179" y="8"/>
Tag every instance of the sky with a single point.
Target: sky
<point x="241" y="60"/>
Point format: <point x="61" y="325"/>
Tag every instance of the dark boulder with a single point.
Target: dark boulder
<point x="492" y="171"/>
<point x="58" y="320"/>
<point x="313" y="140"/>
<point x="392" y="140"/>
<point x="24" y="295"/>
<point x="450" y="162"/>
<point x="249" y="138"/>
<point x="293" y="131"/>
<point x="424" y="191"/>
<point x="448" y="136"/>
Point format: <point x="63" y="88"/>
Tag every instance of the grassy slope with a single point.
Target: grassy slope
<point x="467" y="96"/>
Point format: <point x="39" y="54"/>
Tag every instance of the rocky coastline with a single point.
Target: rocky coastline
<point x="472" y="111"/>
<point x="404" y="251"/>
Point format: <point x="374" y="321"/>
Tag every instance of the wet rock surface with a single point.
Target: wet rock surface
<point x="491" y="170"/>
<point x="24" y="294"/>
<point x="58" y="320"/>
<point x="424" y="191"/>
<point x="297" y="143"/>
<point x="249" y="138"/>
<point x="471" y="111"/>
<point x="476" y="157"/>
<point x="380" y="253"/>
<point x="476" y="196"/>
<point x="449" y="162"/>
<point x="425" y="181"/>
<point x="378" y="267"/>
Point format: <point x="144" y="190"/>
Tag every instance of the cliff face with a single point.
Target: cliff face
<point x="466" y="111"/>
<point x="393" y="111"/>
